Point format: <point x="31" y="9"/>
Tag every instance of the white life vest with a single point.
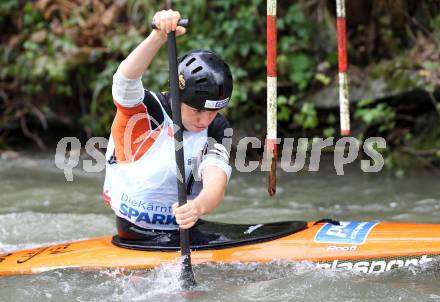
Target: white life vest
<point x="143" y="191"/>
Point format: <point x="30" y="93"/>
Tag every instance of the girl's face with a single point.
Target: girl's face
<point x="195" y="120"/>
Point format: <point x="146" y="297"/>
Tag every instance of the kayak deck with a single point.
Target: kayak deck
<point x="207" y="235"/>
<point x="365" y="246"/>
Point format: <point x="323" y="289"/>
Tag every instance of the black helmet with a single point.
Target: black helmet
<point x="205" y="80"/>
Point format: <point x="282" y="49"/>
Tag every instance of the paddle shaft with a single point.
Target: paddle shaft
<point x="187" y="272"/>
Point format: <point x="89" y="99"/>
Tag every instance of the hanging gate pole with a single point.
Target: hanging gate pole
<point x="344" y="102"/>
<point x="271" y="139"/>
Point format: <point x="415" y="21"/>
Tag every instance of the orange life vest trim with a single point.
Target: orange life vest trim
<point x="141" y="137"/>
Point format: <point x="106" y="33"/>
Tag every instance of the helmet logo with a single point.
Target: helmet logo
<point x="181" y="82"/>
<point x="216" y="104"/>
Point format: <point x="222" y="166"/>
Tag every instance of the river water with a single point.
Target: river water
<point x="39" y="207"/>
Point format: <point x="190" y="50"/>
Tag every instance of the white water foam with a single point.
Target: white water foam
<point x="30" y="229"/>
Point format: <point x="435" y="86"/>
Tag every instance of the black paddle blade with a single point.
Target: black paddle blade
<point x="187" y="275"/>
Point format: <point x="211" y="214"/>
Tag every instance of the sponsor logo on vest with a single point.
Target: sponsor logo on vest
<point x="152" y="218"/>
<point x="375" y="266"/>
<point x="147" y="212"/>
<point x="146" y="206"/>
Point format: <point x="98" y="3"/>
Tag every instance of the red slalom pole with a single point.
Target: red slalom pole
<point x="271" y="139"/>
<point x="344" y="102"/>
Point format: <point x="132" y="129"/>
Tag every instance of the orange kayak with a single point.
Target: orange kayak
<point x="368" y="247"/>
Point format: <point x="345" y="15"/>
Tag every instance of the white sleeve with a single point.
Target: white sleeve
<point x="216" y="156"/>
<point x="127" y="92"/>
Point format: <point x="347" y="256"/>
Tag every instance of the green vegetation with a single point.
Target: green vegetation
<point x="58" y="57"/>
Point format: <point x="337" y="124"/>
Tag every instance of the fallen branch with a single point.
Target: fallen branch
<point x="31" y="135"/>
<point x="420" y="153"/>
